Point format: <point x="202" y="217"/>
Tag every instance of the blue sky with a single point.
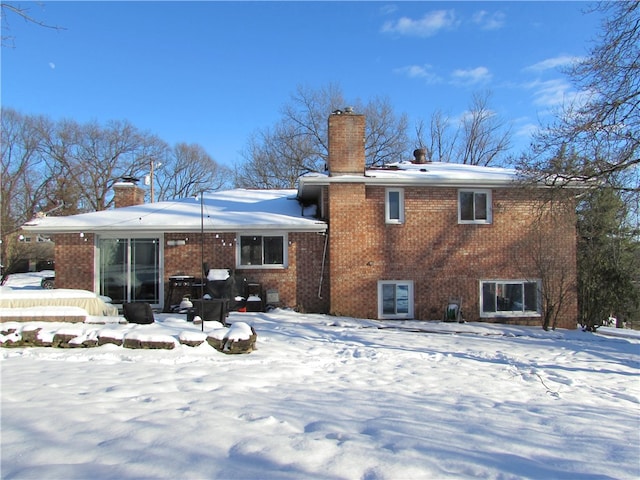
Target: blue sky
<point x="214" y="72"/>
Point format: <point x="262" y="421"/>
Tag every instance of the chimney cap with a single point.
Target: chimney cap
<point x="347" y="110"/>
<point x="130" y="179"/>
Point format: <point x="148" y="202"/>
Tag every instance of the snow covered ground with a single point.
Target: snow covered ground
<point x="328" y="398"/>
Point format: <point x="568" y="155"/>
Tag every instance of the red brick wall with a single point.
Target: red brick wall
<point x="346" y="144"/>
<point x="297" y="285"/>
<point x="443" y="258"/>
<point x="74" y="257"/>
<point x="354" y="240"/>
<point x="127" y="194"/>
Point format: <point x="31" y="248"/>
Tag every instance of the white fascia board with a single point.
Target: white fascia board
<point x="409" y="181"/>
<point x="309" y="227"/>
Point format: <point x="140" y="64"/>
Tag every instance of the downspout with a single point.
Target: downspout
<point x="324" y="258"/>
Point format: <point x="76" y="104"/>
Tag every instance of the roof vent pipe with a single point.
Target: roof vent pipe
<point x="420" y="155"/>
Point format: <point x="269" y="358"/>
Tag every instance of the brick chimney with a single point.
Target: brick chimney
<point x="127" y="193"/>
<point x="346" y="143"/>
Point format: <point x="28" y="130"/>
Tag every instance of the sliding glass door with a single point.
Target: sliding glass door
<point x="129" y="269"/>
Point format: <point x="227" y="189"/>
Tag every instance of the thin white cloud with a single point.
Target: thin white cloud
<point x="473" y="76"/>
<point x="527" y="130"/>
<point x="422" y="72"/>
<point x="468" y="115"/>
<point x="388" y="9"/>
<point x="427" y="26"/>
<point x="550" y="93"/>
<point x="553" y="63"/>
<point x="52" y="65"/>
<point x="489" y="21"/>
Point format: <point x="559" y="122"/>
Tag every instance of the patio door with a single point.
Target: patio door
<point x="129" y="269"/>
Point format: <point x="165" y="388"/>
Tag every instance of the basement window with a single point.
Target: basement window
<point x="395" y="299"/>
<point x="509" y="298"/>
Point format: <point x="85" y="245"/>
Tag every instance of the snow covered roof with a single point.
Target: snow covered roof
<point x="224" y="211"/>
<point x="435" y="174"/>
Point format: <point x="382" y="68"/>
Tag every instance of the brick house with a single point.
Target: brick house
<point x="397" y="242"/>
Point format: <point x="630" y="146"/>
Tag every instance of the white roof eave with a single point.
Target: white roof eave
<point x="310" y="227"/>
<point x="412" y="180"/>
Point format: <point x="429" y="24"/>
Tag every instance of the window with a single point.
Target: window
<point x="394" y="206"/>
<point x="474" y="206"/>
<point x="261" y="250"/>
<point x="509" y="297"/>
<point x="395" y="299"/>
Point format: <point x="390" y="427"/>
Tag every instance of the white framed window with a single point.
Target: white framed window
<point x="500" y="298"/>
<point x="474" y="206"/>
<point x="262" y="251"/>
<point x="394" y="205"/>
<point x="395" y="299"/>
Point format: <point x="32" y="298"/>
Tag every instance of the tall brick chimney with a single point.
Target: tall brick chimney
<point x="127" y="193"/>
<point x="346" y="143"/>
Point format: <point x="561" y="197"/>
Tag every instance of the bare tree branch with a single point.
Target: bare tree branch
<point x="601" y="128"/>
<point x="298" y="144"/>
<point x="8" y="40"/>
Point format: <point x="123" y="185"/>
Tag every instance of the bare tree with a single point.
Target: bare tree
<point x="7" y="9"/>
<point x="485" y="136"/>
<point x="385" y="133"/>
<point x="20" y="179"/>
<point x="187" y="169"/>
<point x="277" y="159"/>
<point x="22" y="182"/>
<point x="71" y="167"/>
<point x="555" y="271"/>
<point x="438" y="141"/>
<point x="602" y="125"/>
<point x="94" y="157"/>
<point x="297" y="144"/>
<point x="481" y="137"/>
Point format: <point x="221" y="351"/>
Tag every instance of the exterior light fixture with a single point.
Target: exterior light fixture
<point x="176" y="243"/>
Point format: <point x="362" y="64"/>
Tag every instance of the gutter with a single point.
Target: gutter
<point x="317" y="227"/>
<point x="432" y="181"/>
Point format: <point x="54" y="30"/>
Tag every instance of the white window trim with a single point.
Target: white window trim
<point x="387" y="210"/>
<point x="285" y="250"/>
<point x="489" y="219"/>
<point x="506" y="313"/>
<point x="402" y="316"/>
